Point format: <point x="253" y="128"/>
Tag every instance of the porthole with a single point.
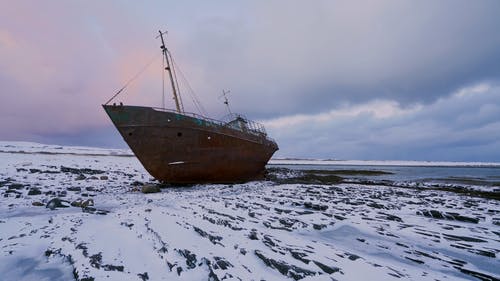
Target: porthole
<point x="179" y="134"/>
<point x="209" y="138"/>
<point x="130" y="134"/>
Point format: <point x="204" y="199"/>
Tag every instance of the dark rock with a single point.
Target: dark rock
<point x="392" y="217"/>
<point x="221" y="263"/>
<point x="137" y="183"/>
<point x="214" y="239"/>
<point x="253" y="235"/>
<point x="375" y="205"/>
<point x="15" y="186"/>
<point x="461" y="218"/>
<point x="462" y="238"/>
<point x="415" y="260"/>
<point x="94" y="211"/>
<point x="74" y="188"/>
<point x="447" y="216"/>
<point x="316" y="207"/>
<point x="80" y="177"/>
<point x="144" y="276"/>
<point x="95" y="260"/>
<point x="34" y="191"/>
<point x="318" y="226"/>
<point x="150" y="188"/>
<point x="110" y="267"/>
<point x="38" y="204"/>
<point x="87" y="203"/>
<point x="103" y="177"/>
<point x="77" y="203"/>
<point x="340" y="218"/>
<point x="327" y="269"/>
<point x="190" y="258"/>
<point x="478" y="275"/>
<point x="300" y="256"/>
<point x="293" y="271"/>
<point x="353" y="257"/>
<point x="57" y="203"/>
<point x="77" y="171"/>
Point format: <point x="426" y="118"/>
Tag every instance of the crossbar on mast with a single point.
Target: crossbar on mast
<point x="174" y="89"/>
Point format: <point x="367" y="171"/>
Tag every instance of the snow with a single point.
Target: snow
<point x="260" y="230"/>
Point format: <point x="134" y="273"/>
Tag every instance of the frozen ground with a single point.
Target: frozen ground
<point x="284" y="228"/>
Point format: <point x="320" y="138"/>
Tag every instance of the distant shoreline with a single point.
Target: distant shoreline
<point x="22" y="147"/>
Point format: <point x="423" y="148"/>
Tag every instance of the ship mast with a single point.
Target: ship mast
<point x="168" y="68"/>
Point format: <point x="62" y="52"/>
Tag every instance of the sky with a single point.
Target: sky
<point x="365" y="80"/>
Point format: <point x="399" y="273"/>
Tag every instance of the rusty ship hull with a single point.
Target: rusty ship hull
<point x="180" y="148"/>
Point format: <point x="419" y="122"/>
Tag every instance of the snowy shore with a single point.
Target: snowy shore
<point x="102" y="227"/>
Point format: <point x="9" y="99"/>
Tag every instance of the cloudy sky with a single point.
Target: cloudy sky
<point x="395" y="80"/>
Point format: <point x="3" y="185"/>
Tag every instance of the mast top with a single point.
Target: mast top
<point x="166" y="55"/>
<point x="226" y="101"/>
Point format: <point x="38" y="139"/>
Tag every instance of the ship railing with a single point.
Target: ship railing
<point x="197" y="116"/>
<point x="252" y="126"/>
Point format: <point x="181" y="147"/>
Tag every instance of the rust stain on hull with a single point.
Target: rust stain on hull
<point x="178" y="148"/>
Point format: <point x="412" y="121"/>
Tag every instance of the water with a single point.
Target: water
<point x="466" y="176"/>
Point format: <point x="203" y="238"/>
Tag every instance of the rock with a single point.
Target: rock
<point x="74" y="188"/>
<point x="318" y="226"/>
<point x="94" y="211"/>
<point x="190" y="257"/>
<point x="34" y="191"/>
<point x="327" y="269"/>
<point x="284" y="268"/>
<point x="316" y="207"/>
<point x="253" y="235"/>
<point x="37" y="204"/>
<point x="93" y="178"/>
<point x="144" y="276"/>
<point x="221" y="263"/>
<point x="57" y="203"/>
<point x="103" y="178"/>
<point x="150" y="188"/>
<point x="110" y="267"/>
<point x="80" y="177"/>
<point x="137" y="183"/>
<point x="77" y="203"/>
<point x="77" y="171"/>
<point x="15" y="186"/>
<point x="87" y="203"/>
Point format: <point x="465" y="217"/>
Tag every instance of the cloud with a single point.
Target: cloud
<point x="462" y="125"/>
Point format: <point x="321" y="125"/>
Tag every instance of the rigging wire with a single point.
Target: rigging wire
<point x="191" y="92"/>
<point x="133" y="78"/>
<point x="163" y="83"/>
<point x="175" y="79"/>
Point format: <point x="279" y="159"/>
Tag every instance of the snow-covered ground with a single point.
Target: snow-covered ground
<point x="261" y="230"/>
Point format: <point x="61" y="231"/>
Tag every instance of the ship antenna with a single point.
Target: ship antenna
<point x="226" y="101"/>
<point x="168" y="68"/>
